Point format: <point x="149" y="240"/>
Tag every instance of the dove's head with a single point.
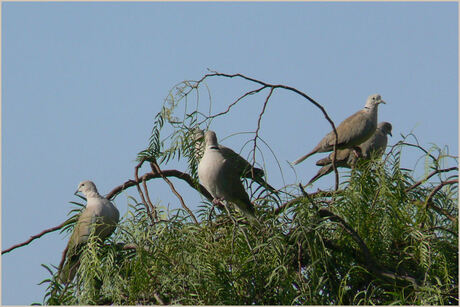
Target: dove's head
<point x="373" y="101"/>
<point x="86" y="187"/>
<point x="210" y="139"/>
<point x="385" y="127"/>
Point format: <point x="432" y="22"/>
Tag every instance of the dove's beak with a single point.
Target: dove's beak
<point x="76" y="192"/>
<point x="381" y="101"/>
<point x="390" y="134"/>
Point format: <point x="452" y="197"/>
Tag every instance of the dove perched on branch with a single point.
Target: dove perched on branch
<point x="353" y="131"/>
<point x="100" y="216"/>
<point x="377" y="144"/>
<point x="374" y="146"/>
<point x="244" y="168"/>
<point x="219" y="175"/>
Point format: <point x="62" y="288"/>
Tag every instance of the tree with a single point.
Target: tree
<point x="379" y="237"/>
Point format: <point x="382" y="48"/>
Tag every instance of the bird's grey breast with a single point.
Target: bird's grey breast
<point x="211" y="171"/>
<point x="364" y="129"/>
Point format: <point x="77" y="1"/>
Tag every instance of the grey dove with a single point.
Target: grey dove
<point x="243" y="167"/>
<point x="100" y="216"/>
<point x="374" y="146"/>
<point x="353" y="131"/>
<point x="221" y="178"/>
<point x="377" y="144"/>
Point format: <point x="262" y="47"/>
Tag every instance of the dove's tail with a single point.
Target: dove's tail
<point x="324" y="161"/>
<point x="304" y="157"/>
<point x="323" y="171"/>
<point x="69" y="269"/>
<point x="248" y="210"/>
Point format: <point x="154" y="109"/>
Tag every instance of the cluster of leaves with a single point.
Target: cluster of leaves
<point x="371" y="242"/>
<point x="382" y="238"/>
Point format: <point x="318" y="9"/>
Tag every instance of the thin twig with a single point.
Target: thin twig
<point x="236" y="101"/>
<point x="258" y="129"/>
<point x="430" y="204"/>
<point x="455" y="168"/>
<point x="444" y="229"/>
<point x="300" y="198"/>
<point x="370" y="261"/>
<point x="156" y="168"/>
<point x="158" y="298"/>
<point x="52" y="229"/>
<point x="139" y="189"/>
<point x="167" y="173"/>
<point x="117" y="190"/>
<point x="64" y="254"/>
<point x="289" y="88"/>
<point x="429" y="200"/>
<point x="154" y="211"/>
<point x="421" y="148"/>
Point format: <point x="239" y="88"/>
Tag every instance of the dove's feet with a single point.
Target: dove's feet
<point x="217" y="201"/>
<point x="357" y="152"/>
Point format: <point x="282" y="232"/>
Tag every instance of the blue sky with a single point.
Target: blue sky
<point x="82" y="82"/>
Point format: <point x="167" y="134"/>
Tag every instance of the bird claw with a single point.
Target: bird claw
<point x="357" y="152"/>
<point x="217" y="201"/>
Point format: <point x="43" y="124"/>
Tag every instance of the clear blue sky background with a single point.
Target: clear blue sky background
<point x="81" y="83"/>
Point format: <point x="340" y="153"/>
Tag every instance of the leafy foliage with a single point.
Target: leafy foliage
<point x="384" y="237"/>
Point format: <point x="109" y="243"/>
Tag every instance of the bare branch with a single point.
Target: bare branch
<point x="149" y="202"/>
<point x="64" y="254"/>
<point x="289" y="88"/>
<point x="421" y="148"/>
<point x="439" y="187"/>
<point x="52" y="229"/>
<point x="429" y="201"/>
<point x="149" y="209"/>
<point x="117" y="190"/>
<point x="156" y="168"/>
<point x="236" y="101"/>
<point x="455" y="168"/>
<point x="258" y="128"/>
<point x="371" y="264"/>
<point x="152" y="175"/>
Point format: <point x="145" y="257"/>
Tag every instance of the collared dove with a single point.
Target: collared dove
<point x="353" y="131"/>
<point x="377" y="144"/>
<point x="374" y="146"/>
<point x="243" y="167"/>
<point x="99" y="214"/>
<point x="221" y="178"/>
<point x="346" y="158"/>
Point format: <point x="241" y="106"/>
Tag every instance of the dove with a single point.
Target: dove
<point x="99" y="214"/>
<point x="243" y="167"/>
<point x="346" y="158"/>
<point x="353" y="131"/>
<point x="377" y="144"/>
<point x="218" y="174"/>
<point x="374" y="146"/>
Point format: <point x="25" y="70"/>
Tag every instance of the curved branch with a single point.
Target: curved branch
<point x="156" y="168"/>
<point x="148" y="206"/>
<point x="292" y="89"/>
<point x="371" y="264"/>
<point x="167" y="173"/>
<point x="430" y="204"/>
<point x="34" y="237"/>
<point x="117" y="190"/>
<point x="258" y="129"/>
<point x="455" y="168"/>
<point x="237" y="100"/>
